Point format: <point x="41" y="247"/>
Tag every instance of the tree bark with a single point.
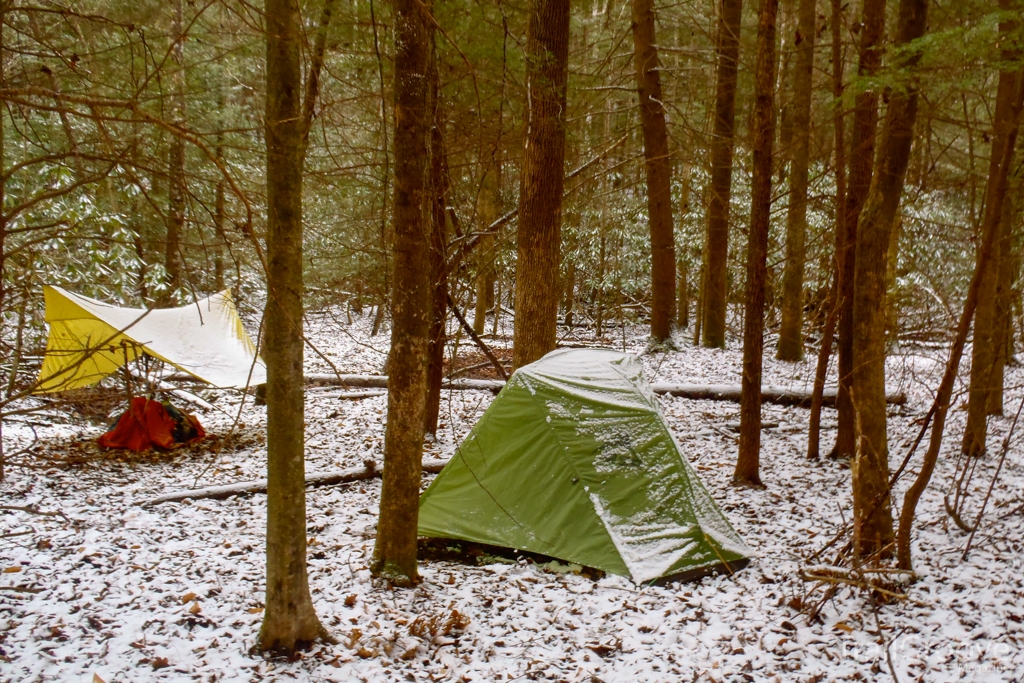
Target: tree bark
<point x="683" y="270"/>
<point x="865" y="119"/>
<point x="489" y="211"/>
<point x="435" y="255"/>
<point x="394" y="554"/>
<point x="820" y="372"/>
<point x="219" y="216"/>
<point x="683" y="298"/>
<point x="791" y="343"/>
<point x="716" y="266"/>
<point x="832" y="302"/>
<point x="176" y="163"/>
<point x="983" y="353"/>
<point x="872" y="511"/>
<point x="3" y="216"/>
<point x="541" y="181"/>
<point x="892" y="310"/>
<point x="1009" y="255"/>
<point x="748" y="463"/>
<point x="659" y="172"/>
<point x="570" y="294"/>
<point x="289" y="621"/>
<point x="484" y="284"/>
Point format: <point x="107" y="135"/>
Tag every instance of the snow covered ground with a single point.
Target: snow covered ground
<point x="111" y="591"/>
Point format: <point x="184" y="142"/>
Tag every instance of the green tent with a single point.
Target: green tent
<point x="574" y="460"/>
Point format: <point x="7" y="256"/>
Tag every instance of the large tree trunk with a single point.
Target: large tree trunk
<point x="289" y="621"/>
<point x="176" y="163"/>
<point x="3" y="216"/>
<point x="872" y="511"/>
<point x="983" y="353"/>
<point x="435" y="255"/>
<point x="716" y="265"/>
<point x="1009" y="255"/>
<point x="748" y="463"/>
<point x="541" y="181"/>
<point x="394" y="554"/>
<point x="791" y="342"/>
<point x="892" y="309"/>
<point x="659" y="172"/>
<point x="865" y="119"/>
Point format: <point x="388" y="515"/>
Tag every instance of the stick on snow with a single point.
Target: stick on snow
<point x="368" y="471"/>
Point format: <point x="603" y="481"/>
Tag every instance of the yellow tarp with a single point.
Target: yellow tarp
<point x="90" y="340"/>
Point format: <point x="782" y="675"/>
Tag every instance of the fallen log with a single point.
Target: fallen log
<point x="368" y="471"/>
<point x="784" y="396"/>
<point x="381" y="382"/>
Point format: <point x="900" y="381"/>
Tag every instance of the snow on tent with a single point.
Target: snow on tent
<point x="574" y="460"/>
<point x="90" y="340"/>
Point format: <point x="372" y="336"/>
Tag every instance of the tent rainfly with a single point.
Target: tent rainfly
<point x="574" y="460"/>
<point x="90" y="340"/>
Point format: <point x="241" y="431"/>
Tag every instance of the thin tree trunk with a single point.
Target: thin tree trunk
<point x="541" y="181"/>
<point x="865" y="119"/>
<point x="484" y="283"/>
<point x="497" y="304"/>
<point x="435" y="254"/>
<point x="683" y="286"/>
<point x="748" y="463"/>
<point x="599" y="318"/>
<point x="982" y="385"/>
<point x="683" y="297"/>
<point x="722" y="140"/>
<point x="872" y="511"/>
<point x="940" y="407"/>
<point x="832" y="302"/>
<point x="176" y="163"/>
<point x="699" y="313"/>
<point x="219" y="214"/>
<point x="786" y="95"/>
<point x="289" y="621"/>
<point x="394" y="554"/>
<point x="489" y="211"/>
<point x="820" y="373"/>
<point x="659" y="172"/>
<point x="791" y="343"/>
<point x="570" y="293"/>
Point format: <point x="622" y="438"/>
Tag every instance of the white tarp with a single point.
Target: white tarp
<point x="90" y="339"/>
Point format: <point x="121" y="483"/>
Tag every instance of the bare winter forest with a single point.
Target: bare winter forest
<point x="346" y="340"/>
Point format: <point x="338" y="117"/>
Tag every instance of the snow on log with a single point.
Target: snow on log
<point x="708" y="392"/>
<point x="784" y="396"/>
<point x="368" y="471"/>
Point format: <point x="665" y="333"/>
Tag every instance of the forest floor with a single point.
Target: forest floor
<point x="104" y="589"/>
